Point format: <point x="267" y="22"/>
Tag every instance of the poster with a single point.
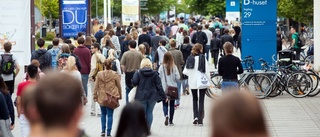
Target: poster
<point x="74" y="17"/>
<point x="16" y="28"/>
<point x="130" y="11"/>
<point x="233" y="10"/>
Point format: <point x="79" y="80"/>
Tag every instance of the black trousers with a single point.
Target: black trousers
<point x="198" y="107"/>
<point x="215" y="55"/>
<point x="10" y="85"/>
<point x="297" y="56"/>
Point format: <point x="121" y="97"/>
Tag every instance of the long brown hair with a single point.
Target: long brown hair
<point x="169" y="62"/>
<point x="197" y="49"/>
<point x="3" y="87"/>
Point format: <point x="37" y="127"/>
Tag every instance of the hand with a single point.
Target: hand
<point x="11" y="127"/>
<point x="95" y="100"/>
<point x="167" y="99"/>
<point x="91" y="80"/>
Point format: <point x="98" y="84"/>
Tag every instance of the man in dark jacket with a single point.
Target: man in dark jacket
<point x="84" y="56"/>
<point x="201" y="38"/>
<point x="226" y="38"/>
<point x="215" y="47"/>
<point x="144" y="37"/>
<point x="44" y="57"/>
<point x="99" y="35"/>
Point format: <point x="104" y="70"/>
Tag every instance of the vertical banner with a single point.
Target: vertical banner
<point x="74" y="17"/>
<point x="130" y="11"/>
<point x="259" y="25"/>
<point x="232" y="10"/>
<point x="15" y="28"/>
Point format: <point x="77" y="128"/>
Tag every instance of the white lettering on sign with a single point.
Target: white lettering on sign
<point x="74" y="16"/>
<point x="233" y="3"/>
<point x="255" y="2"/>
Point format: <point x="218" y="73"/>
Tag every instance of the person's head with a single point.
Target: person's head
<point x="32" y="71"/>
<point x="186" y="40"/>
<point x="158" y="31"/>
<point x="168" y="61"/>
<point x="50" y="46"/>
<point x="132" y="44"/>
<point x="197" y="49"/>
<point x="93" y="39"/>
<point x="131" y="24"/>
<point x="145" y="63"/>
<point x="172" y="43"/>
<point x="95" y="47"/>
<point x="182" y="21"/>
<point x="162" y="42"/>
<point x="109" y="27"/>
<point x="122" y="32"/>
<point x="175" y="23"/>
<point x="128" y="37"/>
<point x="111" y="33"/>
<point x="193" y="19"/>
<point x="7" y="46"/>
<point x="41" y="42"/>
<point x="55" y="42"/>
<point x="71" y="63"/>
<point x="185" y="33"/>
<point x="72" y="47"/>
<point x="293" y="30"/>
<point x="59" y="102"/>
<point x="3" y="87"/>
<point x="108" y="43"/>
<point x="80" y="34"/>
<point x="150" y="28"/>
<point x="153" y="21"/>
<point x="206" y="26"/>
<point x="147" y="48"/>
<point x="228" y="48"/>
<point x="237" y="24"/>
<point x="29" y="105"/>
<point x="199" y="27"/>
<point x="142" y="49"/>
<point x="226" y="31"/>
<point x="228" y="119"/>
<point x="108" y="64"/>
<point x="144" y="29"/>
<point x="181" y="29"/>
<point x="214" y="35"/>
<point x="35" y="62"/>
<point x="65" y="49"/>
<point x="80" y="40"/>
<point x="101" y="27"/>
<point x="68" y="41"/>
<point x="88" y="41"/>
<point x="133" y="122"/>
<point x="112" y="54"/>
<point x="135" y="35"/>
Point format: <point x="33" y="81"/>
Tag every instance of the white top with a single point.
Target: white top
<point x="193" y="73"/>
<point x="209" y="35"/>
<point x="76" y="74"/>
<point x="118" y="66"/>
<point x="115" y="42"/>
<point x="10" y="76"/>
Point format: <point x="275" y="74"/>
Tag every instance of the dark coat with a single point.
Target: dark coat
<point x="47" y="57"/>
<point x="226" y="38"/>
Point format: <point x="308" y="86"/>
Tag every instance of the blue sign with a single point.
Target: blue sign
<point x="233" y="6"/>
<point x="259" y="26"/>
<point x="74" y="17"/>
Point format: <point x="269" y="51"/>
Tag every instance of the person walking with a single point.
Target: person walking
<point x="116" y="67"/>
<point x="155" y="42"/>
<point x="159" y="53"/>
<point x="294" y="44"/>
<point x="115" y="41"/>
<point x="55" y="51"/>
<point x="149" y="88"/>
<point x="209" y="37"/>
<point x="229" y="66"/>
<point x="215" y="47"/>
<point x="200" y="37"/>
<point x="6" y="108"/>
<point x="42" y="56"/>
<point x="169" y="75"/>
<point x="196" y="63"/>
<point x="107" y="84"/>
<point x="144" y="37"/>
<point x="186" y="51"/>
<point x="226" y="38"/>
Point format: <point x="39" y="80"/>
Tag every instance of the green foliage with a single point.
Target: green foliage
<point x="49" y="8"/>
<point x="183" y="7"/>
<point x="298" y="10"/>
<point x="156" y="6"/>
<point x="207" y="7"/>
<point x="49" y="37"/>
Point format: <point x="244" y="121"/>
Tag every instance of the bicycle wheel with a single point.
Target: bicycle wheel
<point x="215" y="88"/>
<point x="309" y="59"/>
<point x="258" y="85"/>
<point x="315" y="82"/>
<point x="299" y="85"/>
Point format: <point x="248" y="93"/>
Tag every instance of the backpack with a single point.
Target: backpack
<point x="7" y="64"/>
<point x="114" y="66"/>
<point x="199" y="38"/>
<point x="54" y="54"/>
<point x="42" y="60"/>
<point x="301" y="41"/>
<point x="99" y="67"/>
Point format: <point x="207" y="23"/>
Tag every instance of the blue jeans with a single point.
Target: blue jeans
<point x="179" y="93"/>
<point x="152" y="54"/>
<point x="165" y="109"/>
<point x="84" y="79"/>
<point x="207" y="51"/>
<point x="184" y="85"/>
<point x="148" y="109"/>
<point x="229" y="85"/>
<point x="104" y="112"/>
<point x="127" y="94"/>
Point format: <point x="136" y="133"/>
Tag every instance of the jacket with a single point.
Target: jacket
<point x="84" y="56"/>
<point x="47" y="57"/>
<point x="106" y="82"/>
<point x="149" y="85"/>
<point x="178" y="59"/>
<point x="226" y="38"/>
<point x="196" y="39"/>
<point x="170" y="80"/>
<point x="215" y="45"/>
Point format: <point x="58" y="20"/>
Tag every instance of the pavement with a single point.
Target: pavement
<point x="285" y="117"/>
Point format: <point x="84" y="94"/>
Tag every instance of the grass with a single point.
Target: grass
<point x="45" y="45"/>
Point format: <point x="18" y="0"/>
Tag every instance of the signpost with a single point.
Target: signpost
<point x="232" y="10"/>
<point x="259" y="25"/>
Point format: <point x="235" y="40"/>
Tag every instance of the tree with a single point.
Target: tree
<point x="298" y="10"/>
<point x="49" y="9"/>
<point x="207" y="7"/>
<point x="156" y="6"/>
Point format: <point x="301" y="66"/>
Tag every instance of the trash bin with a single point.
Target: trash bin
<point x="285" y="57"/>
<point x="44" y="32"/>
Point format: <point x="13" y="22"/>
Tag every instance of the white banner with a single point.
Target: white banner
<point x="232" y="16"/>
<point x="130" y="11"/>
<point x="15" y="28"/>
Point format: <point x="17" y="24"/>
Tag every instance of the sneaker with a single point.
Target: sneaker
<point x="103" y="134"/>
<point x="200" y="125"/>
<point x="99" y="115"/>
<point x="187" y="90"/>
<point x="195" y="121"/>
<point x="166" y="121"/>
<point x="171" y="124"/>
<point x="93" y="114"/>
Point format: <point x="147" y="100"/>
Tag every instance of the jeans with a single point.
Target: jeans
<point x="215" y="56"/>
<point x="179" y="93"/>
<point x="207" y="51"/>
<point x="198" y="109"/>
<point x="229" y="85"/>
<point x="84" y="79"/>
<point x="152" y="54"/>
<point x="24" y="126"/>
<point x="128" y="89"/>
<point x="148" y="109"/>
<point x="298" y="51"/>
<point x="184" y="85"/>
<point x="105" y="111"/>
<point x="10" y="85"/>
<point x="165" y="109"/>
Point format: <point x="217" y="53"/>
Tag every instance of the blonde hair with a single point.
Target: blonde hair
<point x="111" y="54"/>
<point x="142" y="49"/>
<point x="145" y="63"/>
<point x="71" y="63"/>
<point x="135" y="35"/>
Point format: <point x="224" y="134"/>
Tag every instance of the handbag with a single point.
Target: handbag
<point x="132" y="94"/>
<point x="111" y="101"/>
<point x="171" y="92"/>
<point x="202" y="80"/>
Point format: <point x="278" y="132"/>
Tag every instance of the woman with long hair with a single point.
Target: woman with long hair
<point x="88" y="42"/>
<point x="169" y="75"/>
<point x="133" y="122"/>
<point x="186" y="51"/>
<point x="112" y="55"/>
<point x="196" y="64"/>
<point x="108" y="45"/>
<point x="125" y="44"/>
<point x="115" y="40"/>
<point x="147" y="50"/>
<point x="6" y="108"/>
<point x="107" y="84"/>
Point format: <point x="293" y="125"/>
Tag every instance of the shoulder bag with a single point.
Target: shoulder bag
<point x="171" y="92"/>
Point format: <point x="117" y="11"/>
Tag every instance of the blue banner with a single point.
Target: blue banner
<point x="74" y="17"/>
<point x="233" y="6"/>
<point x="259" y="26"/>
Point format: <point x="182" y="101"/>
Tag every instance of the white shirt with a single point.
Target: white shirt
<point x="209" y="35"/>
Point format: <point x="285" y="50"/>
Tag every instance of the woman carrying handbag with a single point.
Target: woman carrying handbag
<point x="107" y="91"/>
<point x="197" y="71"/>
<point x="169" y="75"/>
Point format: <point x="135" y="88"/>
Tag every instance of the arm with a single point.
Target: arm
<point x="193" y="39"/>
<point x="181" y="58"/>
<point x="118" y="68"/>
<point x="123" y="62"/>
<point x="204" y="36"/>
<point x="176" y="74"/>
<point x="220" y="68"/>
<point x="92" y="66"/>
<point x="155" y="60"/>
<point x="18" y="105"/>
<point x="240" y="69"/>
<point x="119" y="87"/>
<point x="17" y="66"/>
<point x="78" y="64"/>
<point x="135" y="79"/>
<point x="160" y="89"/>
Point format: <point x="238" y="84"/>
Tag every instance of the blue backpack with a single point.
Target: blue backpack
<point x="54" y="54"/>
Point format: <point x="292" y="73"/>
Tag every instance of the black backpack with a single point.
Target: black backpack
<point x="42" y="60"/>
<point x="199" y="38"/>
<point x="114" y="66"/>
<point x="301" y="41"/>
<point x="7" y="64"/>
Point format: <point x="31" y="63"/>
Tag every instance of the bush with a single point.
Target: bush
<point x="50" y="36"/>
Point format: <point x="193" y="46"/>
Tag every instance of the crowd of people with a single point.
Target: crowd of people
<point x="161" y="61"/>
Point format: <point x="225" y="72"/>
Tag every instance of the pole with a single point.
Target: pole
<point x="60" y="19"/>
<point x="32" y="36"/>
<point x="109" y="11"/>
<point x="97" y="9"/>
<point x="88" y="31"/>
<point x="105" y="13"/>
<point x="41" y="19"/>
